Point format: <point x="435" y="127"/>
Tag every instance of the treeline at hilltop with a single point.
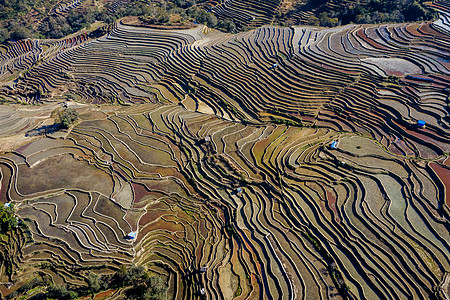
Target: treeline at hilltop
<point x="22" y="19"/>
<point x="372" y="12"/>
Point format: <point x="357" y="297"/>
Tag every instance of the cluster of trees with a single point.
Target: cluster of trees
<point x="15" y="24"/>
<point x="165" y="12"/>
<point x="8" y="222"/>
<point x="7" y="219"/>
<point x="14" y="20"/>
<point x="40" y="280"/>
<point x="60" y="292"/>
<point x="65" y="117"/>
<point x="208" y="18"/>
<point x="56" y="27"/>
<point x="139" y="284"/>
<point x="374" y="11"/>
<point x="10" y="9"/>
<point x="15" y="30"/>
<point x="184" y="12"/>
<point x="143" y="285"/>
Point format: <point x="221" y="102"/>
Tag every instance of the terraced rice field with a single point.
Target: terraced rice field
<point x="215" y="149"/>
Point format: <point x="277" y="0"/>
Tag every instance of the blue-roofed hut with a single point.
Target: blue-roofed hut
<point x="334" y="145"/>
<point x="421" y="123"/>
<point x="131" y="235"/>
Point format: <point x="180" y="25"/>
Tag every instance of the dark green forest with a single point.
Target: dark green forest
<point x="374" y="12"/>
<point x="22" y="19"/>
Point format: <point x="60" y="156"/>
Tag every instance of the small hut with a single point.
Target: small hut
<point x="334" y="145"/>
<point x="421" y="124"/>
<point x="131" y="236"/>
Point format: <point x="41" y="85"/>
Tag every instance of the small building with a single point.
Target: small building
<point x="202" y="291"/>
<point x="275" y="65"/>
<point x="131" y="236"/>
<point x="7" y="204"/>
<point x="421" y="123"/>
<point x="334" y="145"/>
<point x="239" y="190"/>
<point x="207" y="138"/>
<point x="202" y="269"/>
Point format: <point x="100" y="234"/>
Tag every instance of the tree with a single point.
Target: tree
<point x="211" y="20"/>
<point x="229" y="26"/>
<point x="313" y="20"/>
<point x="156" y="289"/>
<point x="325" y="20"/>
<point x="93" y="282"/>
<point x="67" y="117"/>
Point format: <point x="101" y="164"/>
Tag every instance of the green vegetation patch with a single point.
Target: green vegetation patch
<point x="373" y="11"/>
<point x="66" y="117"/>
<point x="8" y="220"/>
